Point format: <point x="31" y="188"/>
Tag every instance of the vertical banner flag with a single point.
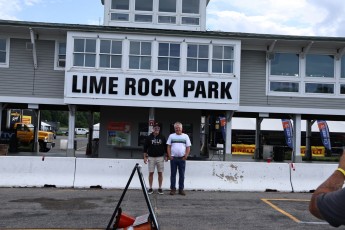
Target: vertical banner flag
<point x="324" y="132"/>
<point x="222" y="121"/>
<point x="288" y="130"/>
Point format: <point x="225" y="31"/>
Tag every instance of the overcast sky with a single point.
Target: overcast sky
<point x="293" y="17"/>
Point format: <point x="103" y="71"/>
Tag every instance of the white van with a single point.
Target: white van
<point x="81" y="131"/>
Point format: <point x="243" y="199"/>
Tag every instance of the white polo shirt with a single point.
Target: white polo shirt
<point x="178" y="144"/>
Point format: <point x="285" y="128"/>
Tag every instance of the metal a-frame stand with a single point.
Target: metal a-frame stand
<point x="152" y="215"/>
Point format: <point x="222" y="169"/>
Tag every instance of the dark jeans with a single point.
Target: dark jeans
<point x="177" y="163"/>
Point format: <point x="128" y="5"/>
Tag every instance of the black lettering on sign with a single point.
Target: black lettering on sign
<point x="130" y="85"/>
<point x="188" y="86"/>
<point x="169" y="88"/>
<point x="155" y="91"/>
<point x="75" y="84"/>
<point x="200" y="90"/>
<point x="143" y="87"/>
<point x="213" y="89"/>
<point x="225" y="90"/>
<point x="84" y="86"/>
<point x="113" y="85"/>
<point x="98" y="86"/>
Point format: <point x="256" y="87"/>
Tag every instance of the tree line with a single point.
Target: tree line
<point x="61" y="117"/>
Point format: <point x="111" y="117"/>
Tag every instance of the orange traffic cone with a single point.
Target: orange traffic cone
<point x="124" y="220"/>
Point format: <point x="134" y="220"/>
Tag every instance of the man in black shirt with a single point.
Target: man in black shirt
<point x="154" y="151"/>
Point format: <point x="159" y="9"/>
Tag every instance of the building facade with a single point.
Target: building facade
<point x="154" y="61"/>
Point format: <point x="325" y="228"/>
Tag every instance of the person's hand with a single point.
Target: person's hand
<point x="145" y="160"/>
<point x="342" y="161"/>
<point x="166" y="158"/>
<point x="184" y="158"/>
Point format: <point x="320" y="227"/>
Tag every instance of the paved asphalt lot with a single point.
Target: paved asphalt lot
<point x="52" y="208"/>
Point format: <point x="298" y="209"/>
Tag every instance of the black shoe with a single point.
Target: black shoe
<point x="150" y="191"/>
<point x="181" y="192"/>
<point x="160" y="191"/>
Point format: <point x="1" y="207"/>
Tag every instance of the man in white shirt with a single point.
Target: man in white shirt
<point x="178" y="149"/>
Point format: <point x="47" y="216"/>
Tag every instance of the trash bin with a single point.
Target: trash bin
<point x="279" y="153"/>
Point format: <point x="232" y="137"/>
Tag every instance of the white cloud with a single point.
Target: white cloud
<point x="295" y="17"/>
<point x="8" y="9"/>
<point x="31" y="2"/>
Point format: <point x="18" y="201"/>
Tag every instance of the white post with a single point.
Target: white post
<point x="228" y="141"/>
<point x="296" y="156"/>
<point x="71" y="126"/>
<point x="151" y="120"/>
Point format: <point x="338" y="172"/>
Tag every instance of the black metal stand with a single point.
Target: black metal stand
<point x="152" y="217"/>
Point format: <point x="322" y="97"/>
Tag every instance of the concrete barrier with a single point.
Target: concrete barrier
<point x="36" y="171"/>
<point x="106" y="173"/>
<point x="306" y="177"/>
<point x="200" y="175"/>
<point x="237" y="176"/>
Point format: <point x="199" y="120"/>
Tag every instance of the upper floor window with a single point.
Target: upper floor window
<point x="291" y="87"/>
<point x="169" y="56"/>
<point x="197" y="58"/>
<point x="140" y="55"/>
<point x="342" y="71"/>
<point x="190" y="6"/>
<point x="61" y="54"/>
<point x="3" y="51"/>
<point x="167" y="6"/>
<point x="110" y="54"/>
<point x="84" y="52"/>
<point x="319" y="88"/>
<point x="318" y="65"/>
<point x="120" y="4"/>
<point x="285" y="64"/>
<point x="144" y="5"/>
<point x="223" y="59"/>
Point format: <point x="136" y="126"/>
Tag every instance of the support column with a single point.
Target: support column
<point x="71" y="127"/>
<point x="308" y="133"/>
<point x="37" y="124"/>
<point x="1" y="108"/>
<point x="228" y="140"/>
<point x="257" y="138"/>
<point x="296" y="156"/>
<point x="89" y="147"/>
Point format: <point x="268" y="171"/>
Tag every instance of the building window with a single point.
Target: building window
<point x="285" y="64"/>
<point x="289" y="87"/>
<point x="223" y="59"/>
<point x="3" y="52"/>
<point x="342" y="71"/>
<point x="197" y="58"/>
<point x="140" y="55"/>
<point x="167" y="19"/>
<point x="318" y="65"/>
<point x="190" y="21"/>
<point x="120" y="4"/>
<point x="61" y="55"/>
<point x="319" y="88"/>
<point x="342" y="89"/>
<point x="123" y="7"/>
<point x="169" y="57"/>
<point x="167" y="6"/>
<point x="143" y="5"/>
<point x="190" y="6"/>
<point x="84" y="52"/>
<point x="110" y="54"/>
<point x="143" y="18"/>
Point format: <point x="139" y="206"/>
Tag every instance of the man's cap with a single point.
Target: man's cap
<point x="155" y="125"/>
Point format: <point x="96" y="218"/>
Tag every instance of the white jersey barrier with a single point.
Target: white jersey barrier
<point x="107" y="173"/>
<point x="237" y="176"/>
<point x="306" y="177"/>
<point x="200" y="175"/>
<point x="36" y="171"/>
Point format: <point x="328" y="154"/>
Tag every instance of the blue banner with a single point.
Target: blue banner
<point x="222" y="122"/>
<point x="288" y="130"/>
<point x="324" y="132"/>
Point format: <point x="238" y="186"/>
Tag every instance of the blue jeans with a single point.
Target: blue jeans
<point x="177" y="163"/>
